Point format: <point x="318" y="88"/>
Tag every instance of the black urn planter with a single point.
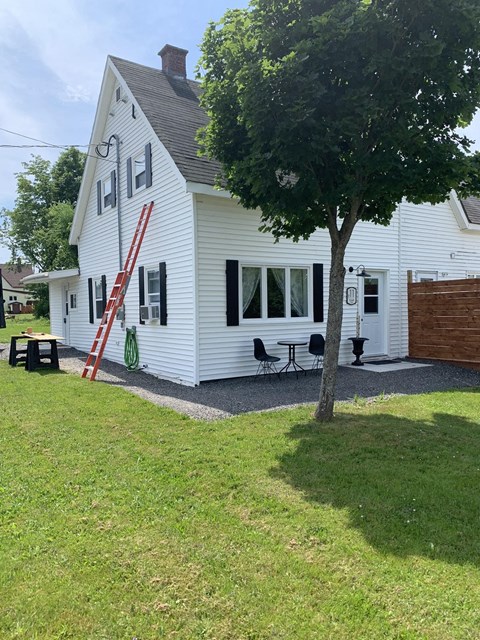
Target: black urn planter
<point x="358" y="350"/>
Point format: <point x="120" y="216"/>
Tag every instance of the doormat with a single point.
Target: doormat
<point x="396" y="361"/>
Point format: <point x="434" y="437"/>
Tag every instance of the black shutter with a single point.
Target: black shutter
<point x="162" y="269"/>
<point x="232" y="293"/>
<point x="148" y="165"/>
<point x="113" y="177"/>
<point x="318" y="292"/>
<point x="90" y="301"/>
<point x="104" y="293"/>
<point x="99" y="197"/>
<point x="129" y="178"/>
<point x="141" y="290"/>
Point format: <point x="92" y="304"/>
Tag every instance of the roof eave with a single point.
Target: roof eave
<point x="49" y="276"/>
<point x="207" y="190"/>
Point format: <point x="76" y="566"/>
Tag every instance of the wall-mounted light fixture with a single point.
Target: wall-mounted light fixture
<point x="361" y="273"/>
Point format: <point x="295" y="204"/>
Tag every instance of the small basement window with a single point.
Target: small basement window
<point x="426" y="276"/>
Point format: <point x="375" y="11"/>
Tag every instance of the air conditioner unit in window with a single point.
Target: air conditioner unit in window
<point x="144" y="313"/>
<point x="150" y="312"/>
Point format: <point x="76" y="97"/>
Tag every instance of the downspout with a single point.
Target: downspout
<point x="400" y="281"/>
<point x="119" y="219"/>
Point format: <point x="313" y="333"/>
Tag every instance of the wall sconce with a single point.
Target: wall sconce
<point x="361" y="273"/>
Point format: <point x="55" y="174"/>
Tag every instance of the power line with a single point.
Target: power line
<point x="49" y="145"/>
<point x="43" y="143"/>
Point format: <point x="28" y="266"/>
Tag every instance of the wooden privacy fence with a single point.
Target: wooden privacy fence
<point x="444" y="320"/>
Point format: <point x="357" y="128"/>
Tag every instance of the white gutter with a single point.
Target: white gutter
<point x="48" y="276"/>
<point x="206" y="190"/>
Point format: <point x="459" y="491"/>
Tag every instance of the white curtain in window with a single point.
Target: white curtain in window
<point x="250" y="280"/>
<point x="297" y="291"/>
<point x="279" y="275"/>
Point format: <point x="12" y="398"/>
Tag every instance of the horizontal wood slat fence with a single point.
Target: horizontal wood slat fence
<point x="444" y="320"/>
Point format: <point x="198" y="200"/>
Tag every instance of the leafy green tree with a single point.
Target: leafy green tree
<point x="323" y="113"/>
<point x="38" y="226"/>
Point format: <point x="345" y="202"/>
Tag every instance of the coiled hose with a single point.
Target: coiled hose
<point x="131" y="354"/>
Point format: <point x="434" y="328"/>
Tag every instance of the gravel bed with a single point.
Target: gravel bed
<point x="225" y="398"/>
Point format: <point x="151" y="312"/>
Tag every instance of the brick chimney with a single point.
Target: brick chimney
<point x="174" y="61"/>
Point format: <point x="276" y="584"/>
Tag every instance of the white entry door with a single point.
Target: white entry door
<point x="372" y="310"/>
<point x="66" y="315"/>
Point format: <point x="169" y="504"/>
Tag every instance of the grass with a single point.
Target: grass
<point x="21" y="322"/>
<point x="123" y="520"/>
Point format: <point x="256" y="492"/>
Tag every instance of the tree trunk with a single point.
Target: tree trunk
<point x="324" y="410"/>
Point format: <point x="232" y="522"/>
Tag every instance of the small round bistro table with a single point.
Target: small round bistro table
<point x="292" y="344"/>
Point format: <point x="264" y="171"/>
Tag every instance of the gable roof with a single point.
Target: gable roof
<point x="172" y="108"/>
<point x="471" y="206"/>
<point x="13" y="274"/>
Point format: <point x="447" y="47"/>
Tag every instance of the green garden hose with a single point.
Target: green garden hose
<point x="131" y="355"/>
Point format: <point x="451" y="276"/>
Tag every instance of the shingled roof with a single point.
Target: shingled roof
<point x="13" y="274"/>
<point x="471" y="207"/>
<point x="171" y="106"/>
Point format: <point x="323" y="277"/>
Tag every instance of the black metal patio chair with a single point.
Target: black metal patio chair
<point x="317" y="348"/>
<point x="266" y="363"/>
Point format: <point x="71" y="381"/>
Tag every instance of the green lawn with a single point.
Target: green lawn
<point x="21" y="322"/>
<point x="123" y="520"/>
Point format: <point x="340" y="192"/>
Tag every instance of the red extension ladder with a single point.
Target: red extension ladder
<point x="117" y="295"/>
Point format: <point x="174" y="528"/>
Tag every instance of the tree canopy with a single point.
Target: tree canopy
<point x="323" y="113"/>
<point x="38" y="226"/>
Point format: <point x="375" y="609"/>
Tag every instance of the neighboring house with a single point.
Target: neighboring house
<point x="210" y="280"/>
<point x="16" y="297"/>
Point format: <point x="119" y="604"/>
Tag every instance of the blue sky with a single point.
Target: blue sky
<point x="52" y="57"/>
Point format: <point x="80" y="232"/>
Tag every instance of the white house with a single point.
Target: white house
<point x="211" y="281"/>
<point x="16" y="297"/>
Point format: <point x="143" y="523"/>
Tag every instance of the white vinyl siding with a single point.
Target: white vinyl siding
<point x="226" y="231"/>
<point x="165" y="351"/>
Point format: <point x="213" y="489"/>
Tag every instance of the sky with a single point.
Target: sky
<point x="52" y="58"/>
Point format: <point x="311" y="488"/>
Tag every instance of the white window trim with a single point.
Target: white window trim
<point x="105" y="194"/>
<point x="264" y="301"/>
<point x="135" y="159"/>
<point x="153" y="269"/>
<point x="95" y="299"/>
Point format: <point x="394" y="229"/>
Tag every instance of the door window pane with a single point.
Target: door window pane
<point x="276" y="293"/>
<point x="371" y="287"/>
<point x="370" y="297"/>
<point x="371" y="305"/>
